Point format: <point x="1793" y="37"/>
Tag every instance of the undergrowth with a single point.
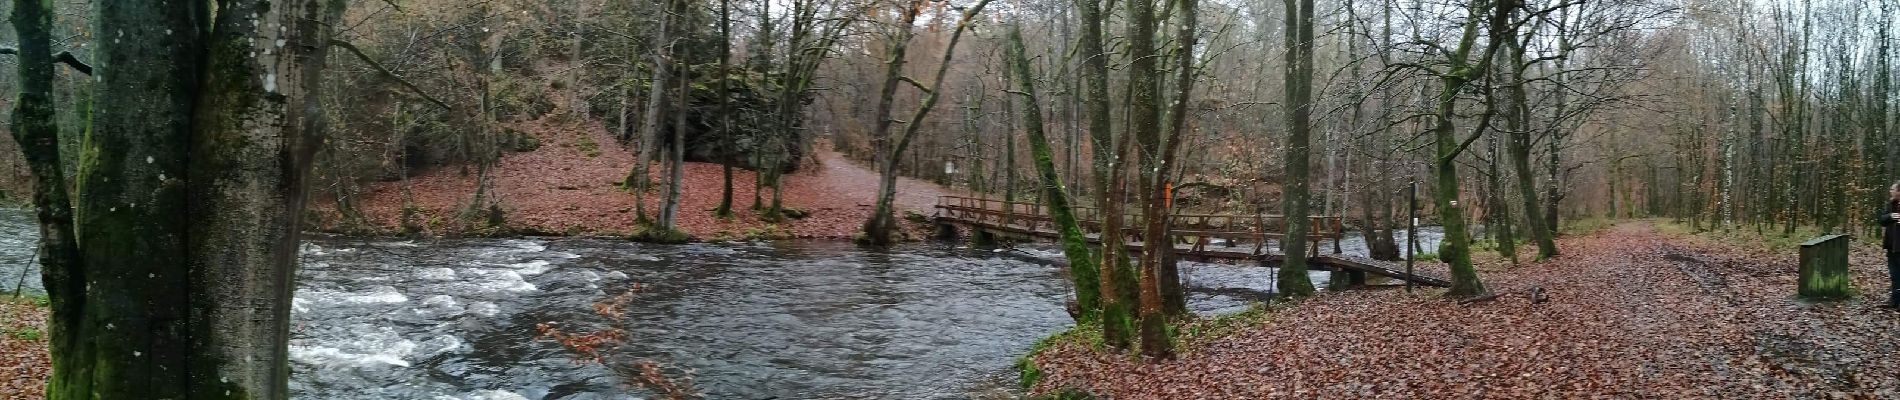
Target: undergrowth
<point x="22" y="332"/>
<point x="650" y="233"/>
<point x="1492" y="244"/>
<point x="1585" y="226"/>
<point x="1089" y="335"/>
<point x="586" y="146"/>
<point x="757" y="233"/>
<point x="1194" y="332"/>
<point x="1187" y="334"/>
<point x="1773" y="238"/>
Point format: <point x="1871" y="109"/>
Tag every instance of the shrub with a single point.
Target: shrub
<point x="587" y="146"/>
<point x="649" y="233"/>
<point x="25" y="333"/>
<point x="518" y="141"/>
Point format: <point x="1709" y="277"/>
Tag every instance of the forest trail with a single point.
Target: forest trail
<point x="1632" y="313"/>
<point x="839" y="176"/>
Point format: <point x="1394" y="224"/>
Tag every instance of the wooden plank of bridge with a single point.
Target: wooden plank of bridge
<point x="1381" y="268"/>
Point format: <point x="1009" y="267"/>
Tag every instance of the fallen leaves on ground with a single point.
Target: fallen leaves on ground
<point x="1632" y="314"/>
<point x="24" y="363"/>
<point x="571" y="184"/>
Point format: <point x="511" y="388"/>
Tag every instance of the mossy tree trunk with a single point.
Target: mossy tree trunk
<point x="36" y="129"/>
<point x="1075" y="246"/>
<point x="1517" y="121"/>
<point x="190" y="192"/>
<point x="251" y="153"/>
<point x="1117" y="277"/>
<point x="1173" y="296"/>
<point x="1461" y="71"/>
<point x="1144" y="85"/>
<point x="132" y="218"/>
<point x="1293" y="279"/>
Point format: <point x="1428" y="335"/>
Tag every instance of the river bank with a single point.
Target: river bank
<point x="1632" y="312"/>
<point x="459" y="318"/>
<point x="377" y="318"/>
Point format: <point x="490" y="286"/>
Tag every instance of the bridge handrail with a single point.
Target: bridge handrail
<point x="1326" y="226"/>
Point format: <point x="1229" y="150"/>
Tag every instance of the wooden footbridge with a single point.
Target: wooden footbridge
<point x="1196" y="237"/>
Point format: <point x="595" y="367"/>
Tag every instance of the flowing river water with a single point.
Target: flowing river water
<point x="456" y="319"/>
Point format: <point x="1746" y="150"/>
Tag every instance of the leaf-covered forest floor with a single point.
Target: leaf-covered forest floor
<point x="571" y="185"/>
<point x="1632" y="313"/>
<point x="24" y="363"/>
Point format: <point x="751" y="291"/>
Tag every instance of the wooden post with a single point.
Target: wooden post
<point x="1824" y="269"/>
<point x="1411" y="232"/>
<point x="946" y="231"/>
<point x="1009" y="213"/>
<point x="1339" y="235"/>
<point x="982" y="238"/>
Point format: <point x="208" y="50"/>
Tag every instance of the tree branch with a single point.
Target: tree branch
<point x="65" y="57"/>
<point x="73" y="62"/>
<point x="914" y="83"/>
<point x="392" y="75"/>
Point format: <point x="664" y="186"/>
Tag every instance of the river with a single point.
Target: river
<point x="456" y="319"/>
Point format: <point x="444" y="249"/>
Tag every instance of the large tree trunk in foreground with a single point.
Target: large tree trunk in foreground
<point x="35" y="129"/>
<point x="1075" y="246"/>
<point x="190" y="201"/>
<point x="251" y="154"/>
<point x="1117" y="278"/>
<point x="1145" y="125"/>
<point x="1173" y="296"/>
<point x="132" y="222"/>
<point x="1293" y="280"/>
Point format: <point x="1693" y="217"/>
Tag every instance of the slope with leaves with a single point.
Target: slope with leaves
<point x="570" y="184"/>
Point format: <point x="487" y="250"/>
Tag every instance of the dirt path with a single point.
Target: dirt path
<point x="837" y="177"/>
<point x="1633" y="314"/>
